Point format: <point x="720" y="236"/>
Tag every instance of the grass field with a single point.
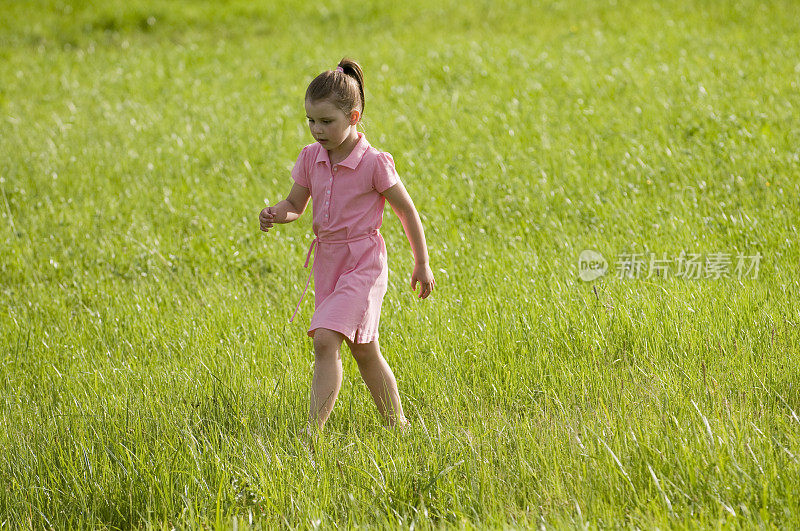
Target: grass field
<point x="150" y="377"/>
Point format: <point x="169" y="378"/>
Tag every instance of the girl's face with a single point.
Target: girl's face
<point x="328" y="124"/>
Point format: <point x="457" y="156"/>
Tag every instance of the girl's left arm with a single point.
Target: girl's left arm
<point x="404" y="208"/>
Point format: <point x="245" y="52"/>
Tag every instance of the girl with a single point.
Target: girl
<point x="348" y="181"/>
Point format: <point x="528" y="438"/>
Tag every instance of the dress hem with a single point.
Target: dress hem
<point x="354" y="337"/>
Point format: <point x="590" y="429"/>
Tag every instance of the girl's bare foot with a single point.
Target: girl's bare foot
<point x="402" y="426"/>
<point x="308" y="442"/>
<point x="307" y="438"/>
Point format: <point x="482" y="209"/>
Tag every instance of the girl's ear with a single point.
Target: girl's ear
<point x="355" y="115"/>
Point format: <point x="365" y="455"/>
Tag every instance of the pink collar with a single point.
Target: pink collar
<point x="353" y="158"/>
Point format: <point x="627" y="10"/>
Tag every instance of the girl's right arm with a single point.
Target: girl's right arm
<point x="287" y="210"/>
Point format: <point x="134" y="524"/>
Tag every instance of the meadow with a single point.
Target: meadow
<point x="150" y="378"/>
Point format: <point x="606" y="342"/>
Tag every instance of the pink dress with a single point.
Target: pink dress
<point x="350" y="266"/>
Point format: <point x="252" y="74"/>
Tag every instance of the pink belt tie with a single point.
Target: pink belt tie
<point x="314" y="242"/>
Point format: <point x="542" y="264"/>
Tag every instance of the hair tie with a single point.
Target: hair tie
<point x="339" y="69"/>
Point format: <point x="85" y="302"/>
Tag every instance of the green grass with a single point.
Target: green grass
<point x="150" y="378"/>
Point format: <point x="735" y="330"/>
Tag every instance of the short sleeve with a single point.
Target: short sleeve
<point x="385" y="175"/>
<point x="300" y="170"/>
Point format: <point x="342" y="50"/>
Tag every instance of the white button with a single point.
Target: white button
<point x="335" y="168"/>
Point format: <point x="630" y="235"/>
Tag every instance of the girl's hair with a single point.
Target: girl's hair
<point x="344" y="89"/>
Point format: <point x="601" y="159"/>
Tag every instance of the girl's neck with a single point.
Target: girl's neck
<point x="343" y="151"/>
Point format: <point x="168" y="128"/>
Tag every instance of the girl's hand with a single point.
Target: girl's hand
<point x="267" y="218"/>
<point x="422" y="274"/>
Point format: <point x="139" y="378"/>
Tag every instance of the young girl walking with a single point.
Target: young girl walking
<point x="348" y="182"/>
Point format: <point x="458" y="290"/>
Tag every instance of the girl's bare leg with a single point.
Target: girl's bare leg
<point x="380" y="381"/>
<point x="327" y="376"/>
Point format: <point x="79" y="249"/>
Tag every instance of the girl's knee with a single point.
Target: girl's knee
<point x="364" y="352"/>
<point x="327" y="341"/>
